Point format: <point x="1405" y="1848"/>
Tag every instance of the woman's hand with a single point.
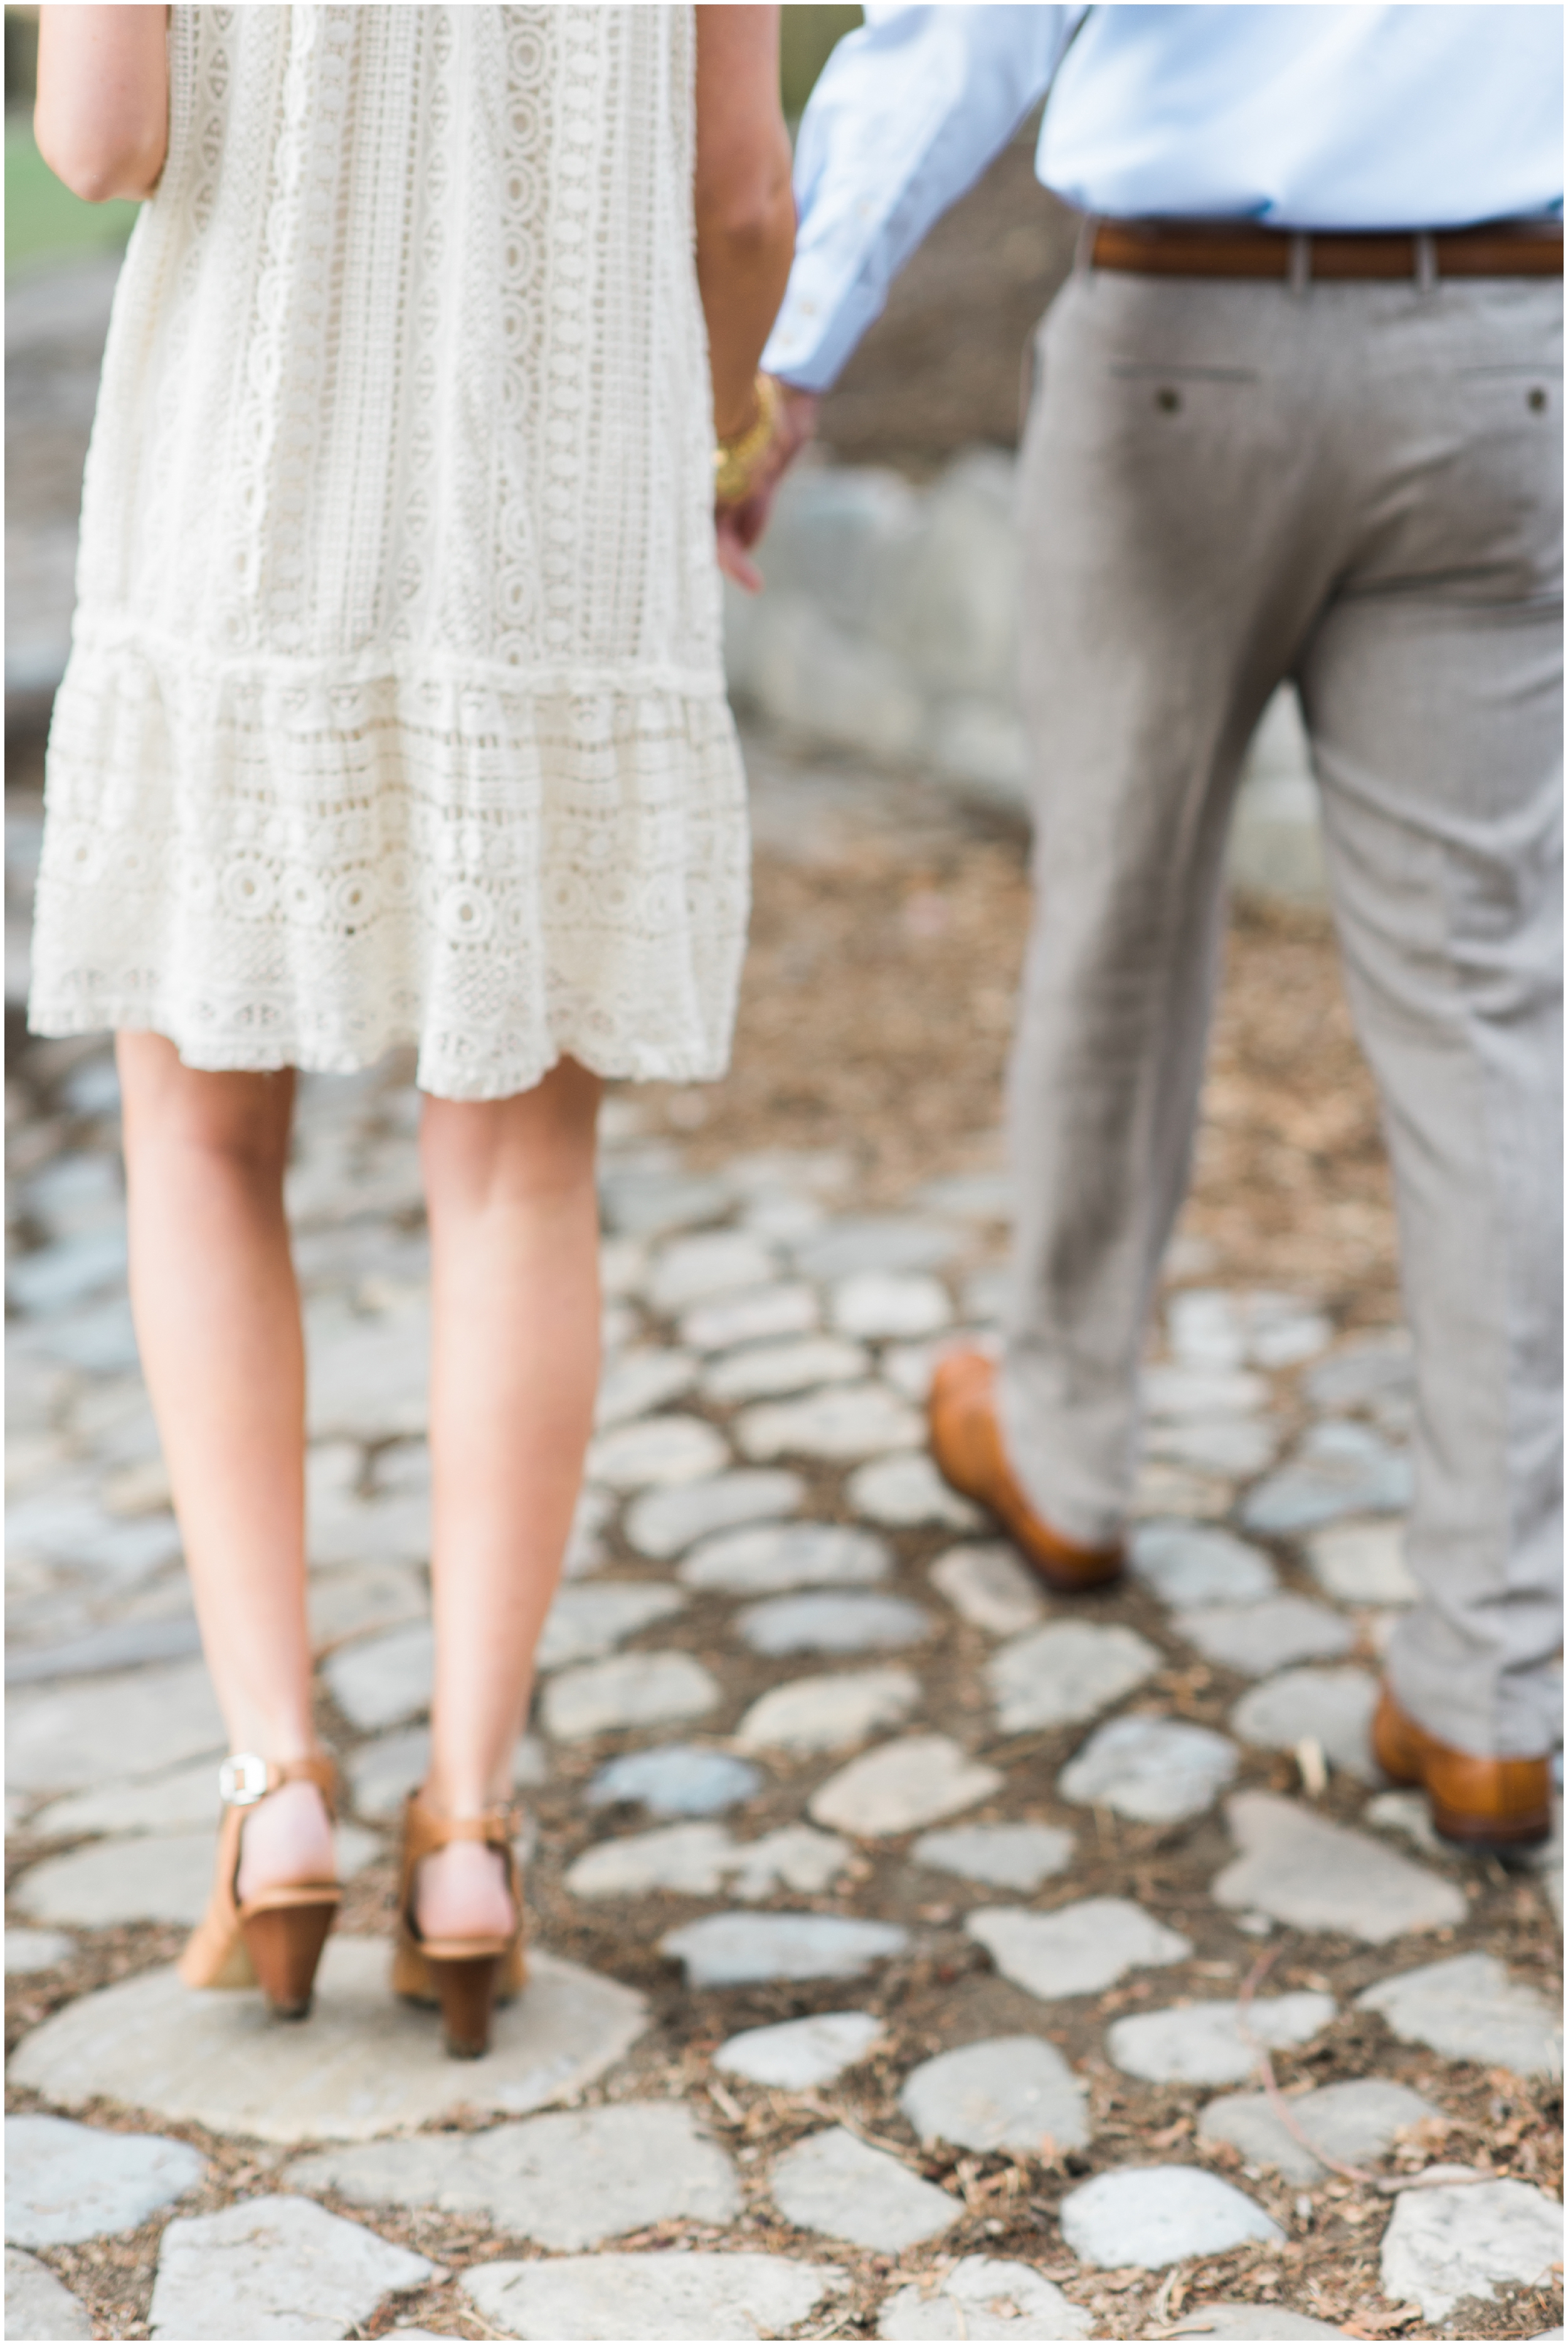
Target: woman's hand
<point x="101" y="120"/>
<point x="741" y="522"/>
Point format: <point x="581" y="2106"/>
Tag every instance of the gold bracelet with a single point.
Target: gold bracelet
<point x="736" y="458"/>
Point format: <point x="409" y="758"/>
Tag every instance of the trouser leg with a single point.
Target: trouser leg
<point x="1169" y="577"/>
<point x="1432" y="691"/>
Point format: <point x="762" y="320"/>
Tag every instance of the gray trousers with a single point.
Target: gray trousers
<point x="1358" y="487"/>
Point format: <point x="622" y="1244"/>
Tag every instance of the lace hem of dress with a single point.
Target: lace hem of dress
<point x="308" y="869"/>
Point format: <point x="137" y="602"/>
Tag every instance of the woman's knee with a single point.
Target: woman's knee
<point x="536" y="1146"/>
<point x="244" y="1117"/>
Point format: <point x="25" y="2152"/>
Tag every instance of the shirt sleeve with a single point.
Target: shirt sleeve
<point x="908" y="112"/>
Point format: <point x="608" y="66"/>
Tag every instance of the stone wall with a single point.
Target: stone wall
<point x="889" y="630"/>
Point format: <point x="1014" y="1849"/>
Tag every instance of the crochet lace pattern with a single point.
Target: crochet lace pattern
<point x="395" y="707"/>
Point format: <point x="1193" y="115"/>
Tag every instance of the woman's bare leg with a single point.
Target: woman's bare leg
<point x="514" y="1363"/>
<point x="217" y="1321"/>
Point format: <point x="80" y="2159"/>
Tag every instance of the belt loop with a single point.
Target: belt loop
<point x="1084" y="247"/>
<point x="1300" y="262"/>
<point x="1426" y="261"/>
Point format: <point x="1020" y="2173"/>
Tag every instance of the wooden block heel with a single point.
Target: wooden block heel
<point x="464" y="1977"/>
<point x="285" y="1943"/>
<point x="273" y="1941"/>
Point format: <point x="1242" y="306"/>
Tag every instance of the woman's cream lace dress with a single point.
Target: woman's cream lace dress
<point x="395" y="709"/>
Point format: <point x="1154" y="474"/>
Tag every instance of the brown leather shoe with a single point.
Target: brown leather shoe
<point x="966" y="1443"/>
<point x="1478" y="1802"/>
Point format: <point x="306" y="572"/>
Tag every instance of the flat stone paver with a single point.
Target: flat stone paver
<point x="1061" y="1673"/>
<point x="1177" y="1392"/>
<point x="359" y="1599"/>
<point x="905" y="1491"/>
<point x="798" y="2055"/>
<point x="836" y="2183"/>
<point x="1003" y="1856"/>
<point x="745" y="1949"/>
<point x="1155" y="2214"/>
<point x="676" y="1778"/>
<point x="1235" y="1447"/>
<point x="647" y="1204"/>
<point x="772" y="1371"/>
<point x="982" y="2296"/>
<point x="380" y="1681"/>
<point x="773" y="1558"/>
<point x="1317" y="1875"/>
<point x="1408" y="1813"/>
<point x="1154" y="1769"/>
<point x="989" y="1587"/>
<point x="1468" y="2007"/>
<point x="1340" y="1468"/>
<point x="828" y="1713"/>
<point x="689" y="1270"/>
<point x="37" y="2305"/>
<point x="69" y="1736"/>
<point x="842" y="1423"/>
<point x="879" y="1303"/>
<point x="1257" y="1639"/>
<point x="1203" y="2043"/>
<point x="1363" y="1371"/>
<point x="590" y="1619"/>
<point x="629" y="1689"/>
<point x="1333" y="1708"/>
<point x="1250" y="2322"/>
<point x="1362" y="1563"/>
<point x="831" y="1621"/>
<point x="655" y="1453"/>
<point x="1010" y="2092"/>
<point x="753" y="1316"/>
<point x="275" y="2267"/>
<point x="182" y="1800"/>
<point x="702" y="1860"/>
<point x="636" y="1383"/>
<point x="149" y="1877"/>
<point x="878" y="1242"/>
<point x="1444" y="2244"/>
<point x="572" y="2179"/>
<point x="1193" y="1564"/>
<point x="664" y="1523"/>
<point x="65" y="2182"/>
<point x="1078" y="1949"/>
<point x="1353" y="2121"/>
<point x="36" y="1950"/>
<point x="902" y="1785"/>
<point x="669" y="2293"/>
<point x="389" y="1531"/>
<point x="381" y="1773"/>
<point x="367" y="2065"/>
<point x="1215" y="1327"/>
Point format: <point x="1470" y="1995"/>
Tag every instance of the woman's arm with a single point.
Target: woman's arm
<point x="745" y="205"/>
<point x="102" y="116"/>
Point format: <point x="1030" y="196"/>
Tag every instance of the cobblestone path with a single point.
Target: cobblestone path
<point x="910" y="1947"/>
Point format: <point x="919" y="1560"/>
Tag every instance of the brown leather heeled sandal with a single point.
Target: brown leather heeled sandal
<point x="273" y="1940"/>
<point x="466" y="1976"/>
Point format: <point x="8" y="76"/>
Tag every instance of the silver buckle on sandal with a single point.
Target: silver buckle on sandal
<point x="242" y="1780"/>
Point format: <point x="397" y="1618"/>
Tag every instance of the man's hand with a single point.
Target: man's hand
<point x="740" y="525"/>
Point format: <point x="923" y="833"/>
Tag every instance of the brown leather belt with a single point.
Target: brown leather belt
<point x="1221" y="249"/>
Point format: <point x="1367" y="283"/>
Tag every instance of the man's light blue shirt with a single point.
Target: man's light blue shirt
<point x="1298" y="116"/>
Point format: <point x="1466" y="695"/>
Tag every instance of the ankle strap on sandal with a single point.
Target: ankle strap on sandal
<point x="245" y="1777"/>
<point x="425" y="1831"/>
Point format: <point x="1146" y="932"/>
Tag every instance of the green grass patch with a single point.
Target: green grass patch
<point x="43" y="220"/>
<point x="810" y="36"/>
